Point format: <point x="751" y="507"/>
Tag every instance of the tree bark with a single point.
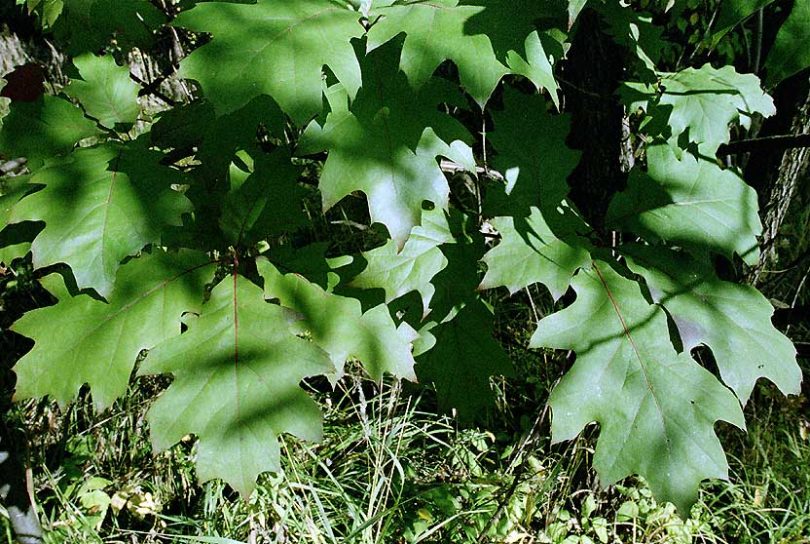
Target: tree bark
<point x="591" y="75"/>
<point x="790" y="173"/>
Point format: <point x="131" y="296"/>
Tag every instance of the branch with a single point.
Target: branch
<point x="12" y="165"/>
<point x="450" y="167"/>
<point x="767" y="143"/>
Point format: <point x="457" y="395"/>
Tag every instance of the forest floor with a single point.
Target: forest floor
<point x="391" y="469"/>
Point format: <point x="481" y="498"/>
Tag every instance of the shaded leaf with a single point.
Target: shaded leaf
<point x="706" y="100"/>
<point x="386" y="146"/>
<point x="532" y="155"/>
<point x="656" y="408"/>
<point x="84" y="340"/>
<point x="531" y="251"/>
<point x="436" y="32"/>
<point x="268" y="203"/>
<point x="44" y="128"/>
<point x="462" y="361"/>
<point x="100" y="205"/>
<point x="733" y="320"/>
<point x="89" y="25"/>
<point x="791" y="50"/>
<point x="12" y="189"/>
<point x="338" y="325"/>
<point x="236" y="386"/>
<point x="274" y="48"/>
<point x="690" y="202"/>
<point x="517" y="30"/>
<point x="400" y="272"/>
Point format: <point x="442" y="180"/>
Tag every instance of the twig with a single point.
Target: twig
<point x="770" y="143"/>
<point x="450" y="167"/>
<point x="12" y="165"/>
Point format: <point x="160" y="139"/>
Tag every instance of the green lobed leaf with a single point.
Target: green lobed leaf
<point x="436" y="32"/>
<point x="100" y="205"/>
<point x="520" y="32"/>
<point x="44" y="128"/>
<point x="386" y="146"/>
<point x="340" y="327"/>
<point x="690" y="202"/>
<point x="531" y="154"/>
<point x="81" y="340"/>
<point x="401" y="272"/>
<point x="272" y="47"/>
<point x="706" y="100"/>
<point x="15" y="240"/>
<point x="532" y="251"/>
<point x="268" y="203"/>
<point x="539" y="231"/>
<point x="236" y="385"/>
<point x="105" y="90"/>
<point x="462" y="360"/>
<point x="636" y="32"/>
<point x="733" y="320"/>
<point x="457" y="284"/>
<point x="11" y="252"/>
<point x="486" y="40"/>
<point x="309" y="261"/>
<point x="213" y="143"/>
<point x="656" y="408"/>
<point x="791" y="50"/>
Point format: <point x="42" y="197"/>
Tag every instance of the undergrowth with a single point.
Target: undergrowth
<point x="391" y="470"/>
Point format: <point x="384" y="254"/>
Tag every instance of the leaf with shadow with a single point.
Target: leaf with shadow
<point x="82" y="340"/>
<point x="42" y="129"/>
<point x="531" y="154"/>
<point x="656" y="408"/>
<point x="236" y="372"/>
<point x="706" y="100"/>
<point x="105" y="90"/>
<point x="385" y="144"/>
<point x="790" y="53"/>
<point x="519" y="31"/>
<point x="268" y="203"/>
<point x="733" y="320"/>
<point x="691" y="202"/>
<point x="412" y="268"/>
<point x="90" y="25"/>
<point x="272" y="48"/>
<point x="459" y="356"/>
<point x="436" y="31"/>
<point x="543" y="248"/>
<point x="339" y="326"/>
<point x="100" y="205"/>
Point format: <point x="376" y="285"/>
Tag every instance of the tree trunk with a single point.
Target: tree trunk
<point x="790" y="171"/>
<point x="590" y="76"/>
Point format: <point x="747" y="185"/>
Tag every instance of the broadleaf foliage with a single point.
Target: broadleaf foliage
<point x="656" y="407"/>
<point x="274" y="48"/>
<point x="356" y="181"/>
<point x="240" y="361"/>
<point x="150" y="297"/>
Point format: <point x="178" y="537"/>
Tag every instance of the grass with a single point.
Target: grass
<point x="391" y="470"/>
